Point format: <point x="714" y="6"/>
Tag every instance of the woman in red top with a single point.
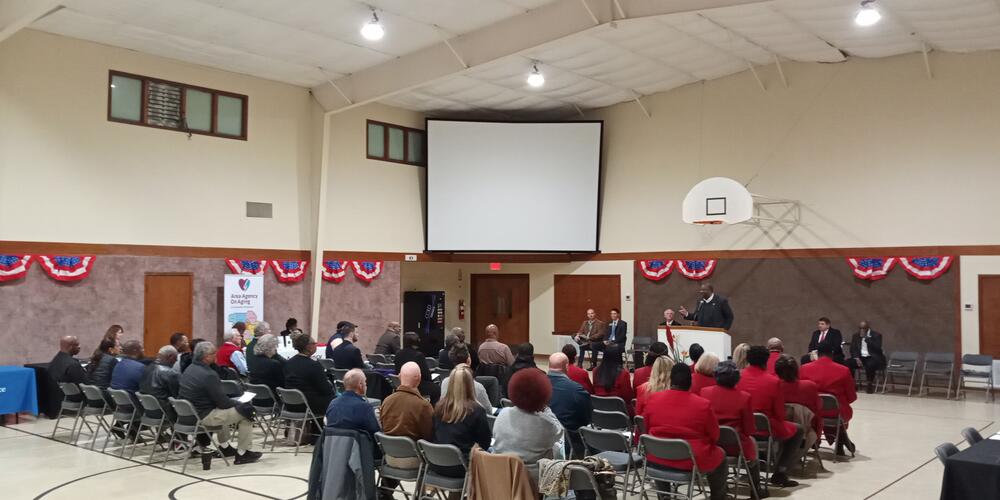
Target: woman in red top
<point x="732" y="407"/>
<point x="611" y="378"/>
<point x="659" y="380"/>
<point x="641" y="375"/>
<point x="704" y="372"/>
<point x="798" y="391"/>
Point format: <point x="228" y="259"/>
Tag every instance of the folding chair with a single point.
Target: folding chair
<point x="765" y="437"/>
<point x="232" y="388"/>
<point x="943" y="451"/>
<point x="829" y="403"/>
<point x="441" y="373"/>
<point x="506" y="403"/>
<point x="901" y="364"/>
<point x="971" y="435"/>
<point x="326" y="363"/>
<point x="730" y="442"/>
<point x="432" y="364"/>
<point x="94" y="406"/>
<point x="582" y="479"/>
<point x="152" y="418"/>
<point x="617" y="450"/>
<point x="338" y="373"/>
<point x="815" y="447"/>
<point x="640" y="348"/>
<point x="287" y="418"/>
<point x="394" y="381"/>
<point x="608" y="403"/>
<point x="940" y="366"/>
<point x="125" y="415"/>
<point x="441" y="455"/>
<point x="981" y="368"/>
<point x="611" y="420"/>
<point x="491" y="419"/>
<point x="385" y="366"/>
<point x="639" y="423"/>
<point x="266" y="406"/>
<point x="399" y="447"/>
<point x="189" y="423"/>
<point x="492" y="386"/>
<point x="376" y="358"/>
<point x="69" y="408"/>
<point x="669" y="449"/>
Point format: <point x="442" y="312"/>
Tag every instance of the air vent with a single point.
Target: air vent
<point x="259" y="210"/>
<point x="163" y="105"/>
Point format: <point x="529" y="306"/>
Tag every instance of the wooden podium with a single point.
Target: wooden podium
<point x="714" y="340"/>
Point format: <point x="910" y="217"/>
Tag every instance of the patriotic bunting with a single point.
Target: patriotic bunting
<point x="367" y="270"/>
<point x="289" y="271"/>
<point x="242" y="266"/>
<point x="656" y="269"/>
<point x="66" y="267"/>
<point x="871" y="268"/>
<point x="696" y="269"/>
<point x="334" y="270"/>
<point x="13" y="267"/>
<point x="926" y="268"/>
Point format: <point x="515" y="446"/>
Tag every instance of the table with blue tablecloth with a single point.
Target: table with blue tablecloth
<point x="17" y="390"/>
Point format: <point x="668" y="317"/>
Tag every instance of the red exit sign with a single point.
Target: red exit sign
<point x="495" y="266"/>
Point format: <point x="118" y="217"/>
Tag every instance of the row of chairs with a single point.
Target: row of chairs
<point x="937" y="367"/>
<point x="945" y="450"/>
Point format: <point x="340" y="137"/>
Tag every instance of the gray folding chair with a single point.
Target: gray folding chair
<point x="976" y="367"/>
<point x="287" y="419"/>
<point x="232" y="388"/>
<point x="376" y="358"/>
<point x="326" y="363"/>
<point x="189" y="423"/>
<point x="937" y="366"/>
<point x="639" y="423"/>
<point x="943" y="451"/>
<point x="608" y="403"/>
<point x="399" y="447"/>
<point x="829" y="403"/>
<point x="441" y="373"/>
<point x="902" y="364"/>
<point x="616" y="448"/>
<point x="971" y="435"/>
<point x="491" y="419"/>
<point x="125" y="415"/>
<point x="338" y="373"/>
<point x="386" y="366"/>
<point x="789" y="411"/>
<point x="96" y="407"/>
<point x="640" y="345"/>
<point x="610" y="420"/>
<point x="441" y="455"/>
<point x="669" y="449"/>
<point x="153" y="419"/>
<point x="765" y="446"/>
<point x="506" y="403"/>
<point x="582" y="479"/>
<point x="266" y="406"/>
<point x="492" y="386"/>
<point x="69" y="408"/>
<point x="394" y="381"/>
<point x="730" y="442"/>
<point x="432" y="364"/>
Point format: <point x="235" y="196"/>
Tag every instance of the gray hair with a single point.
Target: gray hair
<point x="230" y="335"/>
<point x="267" y="345"/>
<point x="458" y="332"/>
<point x="166" y="352"/>
<point x="262" y="328"/>
<point x="202" y="349"/>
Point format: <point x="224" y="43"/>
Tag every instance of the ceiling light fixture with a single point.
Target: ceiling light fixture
<point x="868" y="15"/>
<point x="373" y="29"/>
<point x="535" y="78"/>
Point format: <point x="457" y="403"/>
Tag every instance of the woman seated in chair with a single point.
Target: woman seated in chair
<point x="800" y="392"/>
<point x="612" y="379"/>
<point x="459" y="420"/>
<point x="659" y="380"/>
<point x="529" y="429"/>
<point x="704" y="372"/>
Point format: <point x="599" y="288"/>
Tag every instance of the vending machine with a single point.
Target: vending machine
<point x="423" y="313"/>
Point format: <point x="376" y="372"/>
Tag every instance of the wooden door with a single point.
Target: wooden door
<point x="989" y="315"/>
<point x="502" y="300"/>
<point x="575" y="293"/>
<point x="167" y="309"/>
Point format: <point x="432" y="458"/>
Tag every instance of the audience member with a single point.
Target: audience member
<point x="617" y="331"/>
<point x="704" y="372"/>
<point x="161" y="381"/>
<point x="765" y="394"/>
<point x="740" y="355"/>
<point x="291" y="329"/>
<point x="344" y="329"/>
<point x="411" y="352"/>
<point x="230" y="354"/>
<point x="103" y="362"/>
<point x="127" y="373"/>
<point x="570" y="402"/>
<point x="834" y="378"/>
<point x="492" y="351"/>
<point x="658" y="380"/>
<point x="308" y="376"/>
<point x="866" y="354"/>
<point x="575" y="373"/>
<point x="590" y="336"/>
<point x="612" y="379"/>
<point x="346" y="355"/>
<point x="114" y="333"/>
<point x="473" y="354"/>
<point x="774" y="348"/>
<point x="267" y="367"/>
<point x="459" y="355"/>
<point x="828" y="336"/>
<point x="800" y="392"/>
<point x="695" y="351"/>
<point x="389" y="342"/>
<point x="641" y="374"/>
<point x="679" y="414"/>
<point x="529" y="429"/>
<point x="180" y="342"/>
<point x="239" y="328"/>
<point x="406" y="413"/>
<point x="202" y="387"/>
<point x="64" y="367"/>
<point x="525" y="358"/>
<point x="262" y="328"/>
<point x="185" y="361"/>
<point x="444" y="358"/>
<point x="459" y="421"/>
<point x="351" y="410"/>
<point x="733" y="408"/>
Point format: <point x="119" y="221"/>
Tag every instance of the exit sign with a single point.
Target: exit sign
<point x="495" y="266"/>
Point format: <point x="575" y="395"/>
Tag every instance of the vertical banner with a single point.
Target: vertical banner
<point x="244" y="299"/>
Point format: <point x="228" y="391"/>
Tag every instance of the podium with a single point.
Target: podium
<point x="714" y="340"/>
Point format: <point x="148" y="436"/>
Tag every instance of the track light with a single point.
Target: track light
<point x="373" y="30"/>
<point x="868" y="15"/>
<point x="535" y="78"/>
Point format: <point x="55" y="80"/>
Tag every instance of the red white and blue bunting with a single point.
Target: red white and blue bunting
<point x="655" y="269"/>
<point x="289" y="271"/>
<point x="367" y="270"/>
<point x="871" y="268"/>
<point x="243" y="266"/>
<point x="926" y="268"/>
<point x="334" y="270"/>
<point x="696" y="269"/>
<point x="66" y="267"/>
<point x="13" y="267"/>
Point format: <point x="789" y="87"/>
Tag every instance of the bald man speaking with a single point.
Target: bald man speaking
<point x="570" y="401"/>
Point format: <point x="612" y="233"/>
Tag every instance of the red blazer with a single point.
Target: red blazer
<point x="732" y="408"/>
<point x="641" y="397"/>
<point x="771" y="359"/>
<point x="641" y="375"/>
<point x="677" y="414"/>
<point x="805" y="393"/>
<point x="832" y="378"/>
<point x="580" y="376"/>
<point x="622" y="388"/>
<point x="765" y="395"/>
<point x="699" y="382"/>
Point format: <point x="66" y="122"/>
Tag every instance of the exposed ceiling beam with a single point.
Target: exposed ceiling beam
<point x="17" y="14"/>
<point x="509" y="37"/>
<point x="800" y="25"/>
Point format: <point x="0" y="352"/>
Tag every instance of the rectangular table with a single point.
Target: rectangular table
<point x="973" y="473"/>
<point x="17" y="390"/>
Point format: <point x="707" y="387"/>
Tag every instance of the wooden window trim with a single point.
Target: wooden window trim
<point x="385" y="143"/>
<point x="146" y="80"/>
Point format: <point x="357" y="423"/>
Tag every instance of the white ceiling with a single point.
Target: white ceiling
<point x="310" y="42"/>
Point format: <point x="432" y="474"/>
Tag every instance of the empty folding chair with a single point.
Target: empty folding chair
<point x="937" y="366"/>
<point x="730" y="442"/>
<point x="971" y="435"/>
<point x="492" y="386"/>
<point x="441" y="455"/>
<point x="766" y="452"/>
<point x="614" y="447"/>
<point x="830" y="405"/>
<point x="189" y="423"/>
<point x="640" y="347"/>
<point x="978" y="367"/>
<point x="327" y="364"/>
<point x="665" y="479"/>
<point x="70" y="407"/>
<point x="266" y="406"/>
<point x="902" y="364"/>
<point x="94" y="407"/>
<point x="611" y="420"/>
<point x="287" y="419"/>
<point x="153" y="419"/>
<point x="232" y="388"/>
<point x="608" y="403"/>
<point x="399" y="449"/>
<point x="943" y="451"/>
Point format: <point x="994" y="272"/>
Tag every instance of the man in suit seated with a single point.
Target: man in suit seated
<point x="867" y="354"/>
<point x="713" y="310"/>
<point x="833" y="378"/>
<point x="347" y="355"/>
<point x="617" y="334"/>
<point x="828" y="336"/>
<point x="590" y="335"/>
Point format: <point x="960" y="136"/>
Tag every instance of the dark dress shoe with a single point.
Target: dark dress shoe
<point x="228" y="451"/>
<point x="781" y="479"/>
<point x="248" y="457"/>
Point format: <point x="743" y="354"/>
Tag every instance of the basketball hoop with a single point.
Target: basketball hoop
<point x="717" y="200"/>
<point x="707" y="222"/>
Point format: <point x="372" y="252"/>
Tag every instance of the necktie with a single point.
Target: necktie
<point x="822" y="336"/>
<point x="614" y="324"/>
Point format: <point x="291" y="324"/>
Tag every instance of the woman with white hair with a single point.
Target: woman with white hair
<point x="266" y="367"/>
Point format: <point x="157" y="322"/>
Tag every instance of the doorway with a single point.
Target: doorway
<point x="989" y="315"/>
<point x="575" y="293"/>
<point x="167" y="308"/>
<point x="502" y="300"/>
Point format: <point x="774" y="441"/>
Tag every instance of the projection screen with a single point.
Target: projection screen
<point x="513" y="187"/>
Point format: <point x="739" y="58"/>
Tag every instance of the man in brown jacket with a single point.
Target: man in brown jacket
<point x="405" y="413"/>
<point x="590" y="335"/>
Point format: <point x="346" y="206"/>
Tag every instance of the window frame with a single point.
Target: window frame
<point x="215" y="93"/>
<point x="406" y="143"/>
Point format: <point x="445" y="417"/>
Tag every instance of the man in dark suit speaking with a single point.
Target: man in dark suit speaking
<point x="713" y="310"/>
<point x="825" y="335"/>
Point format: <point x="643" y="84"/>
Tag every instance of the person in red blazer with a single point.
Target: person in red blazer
<point x="612" y="379"/>
<point x="798" y="391"/>
<point x="679" y="414"/>
<point x="834" y="378"/>
<point x="732" y="407"/>
<point x="765" y="395"/>
<point x="575" y="373"/>
<point x="641" y="375"/>
<point x="775" y="348"/>
<point x="704" y="372"/>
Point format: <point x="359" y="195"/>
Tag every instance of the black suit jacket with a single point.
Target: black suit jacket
<point x="308" y="376"/>
<point x="347" y="356"/>
<point x="621" y="332"/>
<point x="874" y="341"/>
<point x="833" y="338"/>
<point x="714" y="314"/>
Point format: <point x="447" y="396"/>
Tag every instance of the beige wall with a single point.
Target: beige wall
<point x="68" y="174"/>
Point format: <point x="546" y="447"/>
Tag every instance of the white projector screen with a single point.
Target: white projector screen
<point x="512" y="187"/>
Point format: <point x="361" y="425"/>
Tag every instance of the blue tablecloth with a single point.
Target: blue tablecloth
<point x="17" y="390"/>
